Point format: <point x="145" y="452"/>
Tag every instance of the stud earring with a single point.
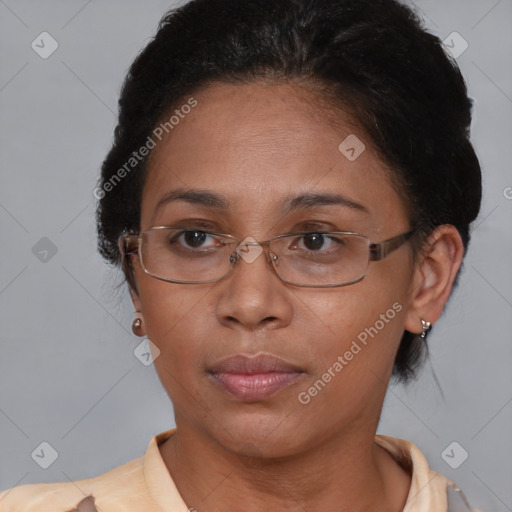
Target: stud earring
<point x="425" y="327"/>
<point x="137" y="325"/>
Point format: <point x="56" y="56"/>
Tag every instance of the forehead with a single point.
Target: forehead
<point x="258" y="144"/>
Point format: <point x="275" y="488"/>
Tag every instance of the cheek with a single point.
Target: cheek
<point x="355" y="357"/>
<point x="175" y="321"/>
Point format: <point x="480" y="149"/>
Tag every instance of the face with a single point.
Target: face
<point x="258" y="146"/>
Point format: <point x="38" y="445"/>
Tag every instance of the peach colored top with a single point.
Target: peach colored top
<point x="145" y="485"/>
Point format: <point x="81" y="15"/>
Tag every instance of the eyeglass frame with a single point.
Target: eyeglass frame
<point x="129" y="242"/>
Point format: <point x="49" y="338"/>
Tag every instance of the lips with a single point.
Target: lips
<point x="254" y="377"/>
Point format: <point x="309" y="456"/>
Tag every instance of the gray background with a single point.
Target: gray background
<point x="68" y="374"/>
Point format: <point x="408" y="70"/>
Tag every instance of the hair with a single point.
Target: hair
<point x="371" y="59"/>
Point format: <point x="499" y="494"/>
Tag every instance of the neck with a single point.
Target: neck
<point x="348" y="472"/>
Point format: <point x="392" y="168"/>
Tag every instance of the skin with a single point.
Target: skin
<point x="257" y="144"/>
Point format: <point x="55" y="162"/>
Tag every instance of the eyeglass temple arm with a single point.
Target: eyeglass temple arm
<point x="128" y="243"/>
<point x="380" y="251"/>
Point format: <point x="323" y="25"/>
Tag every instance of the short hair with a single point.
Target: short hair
<point x="372" y="59"/>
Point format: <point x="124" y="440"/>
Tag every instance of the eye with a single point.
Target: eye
<point x="317" y="241"/>
<point x="193" y="239"/>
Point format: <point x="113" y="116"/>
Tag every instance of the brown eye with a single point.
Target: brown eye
<point x="190" y="239"/>
<point x="314" y="241"/>
<point x="194" y="238"/>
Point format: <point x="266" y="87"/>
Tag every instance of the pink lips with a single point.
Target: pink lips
<point x="254" y="377"/>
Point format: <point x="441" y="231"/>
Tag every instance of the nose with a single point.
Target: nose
<point x="252" y="295"/>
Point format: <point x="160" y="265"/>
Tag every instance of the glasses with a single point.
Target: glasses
<point x="316" y="259"/>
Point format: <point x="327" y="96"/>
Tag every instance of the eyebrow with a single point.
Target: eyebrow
<point x="217" y="201"/>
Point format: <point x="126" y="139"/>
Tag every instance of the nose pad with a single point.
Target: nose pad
<point x="271" y="256"/>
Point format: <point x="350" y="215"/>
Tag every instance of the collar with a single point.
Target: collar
<point x="428" y="488"/>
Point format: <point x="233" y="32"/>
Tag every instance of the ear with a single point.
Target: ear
<point x="434" y="275"/>
<point x="130" y="273"/>
<point x="137" y="304"/>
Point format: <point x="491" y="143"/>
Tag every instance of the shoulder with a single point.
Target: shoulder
<point x="108" y="492"/>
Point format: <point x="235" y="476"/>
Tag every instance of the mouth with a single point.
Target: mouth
<point x="254" y="377"/>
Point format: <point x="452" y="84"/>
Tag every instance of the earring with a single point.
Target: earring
<point x="137" y="325"/>
<point x="425" y="327"/>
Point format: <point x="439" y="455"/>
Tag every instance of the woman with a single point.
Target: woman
<point x="289" y="193"/>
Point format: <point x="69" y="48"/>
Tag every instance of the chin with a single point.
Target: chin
<point x="262" y="434"/>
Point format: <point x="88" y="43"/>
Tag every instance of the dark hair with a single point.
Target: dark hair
<point x="371" y="58"/>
